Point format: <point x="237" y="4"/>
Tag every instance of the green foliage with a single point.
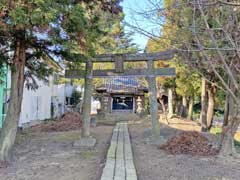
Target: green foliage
<point x="76" y="21"/>
<point x="185" y="82"/>
<point x="115" y="40"/>
<point x="216" y="130"/>
<point x="220" y="99"/>
<point x="188" y="83"/>
<point x="30" y="22"/>
<point x="59" y="30"/>
<point x="237" y="145"/>
<point x="76" y="95"/>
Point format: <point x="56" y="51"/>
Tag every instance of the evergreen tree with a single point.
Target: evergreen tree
<point x="33" y="30"/>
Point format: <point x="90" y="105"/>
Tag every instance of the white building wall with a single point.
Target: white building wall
<point x="61" y="98"/>
<point x="95" y="105"/>
<point x="36" y="105"/>
<point x="69" y="89"/>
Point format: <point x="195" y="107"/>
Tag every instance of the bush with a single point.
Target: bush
<point x="76" y="95"/>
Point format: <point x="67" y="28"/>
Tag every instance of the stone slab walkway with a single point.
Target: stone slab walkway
<point x="119" y="164"/>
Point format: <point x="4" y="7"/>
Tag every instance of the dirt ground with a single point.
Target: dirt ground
<point x="155" y="164"/>
<point x="51" y="156"/>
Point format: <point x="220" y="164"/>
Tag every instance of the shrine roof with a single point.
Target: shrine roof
<point x="122" y="85"/>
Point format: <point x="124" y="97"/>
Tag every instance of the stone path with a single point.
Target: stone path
<point x="119" y="164"/>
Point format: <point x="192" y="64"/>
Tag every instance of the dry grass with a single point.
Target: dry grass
<point x="180" y="123"/>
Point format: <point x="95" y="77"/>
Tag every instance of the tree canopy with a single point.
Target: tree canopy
<point x="35" y="30"/>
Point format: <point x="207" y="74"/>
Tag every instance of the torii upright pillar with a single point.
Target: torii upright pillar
<point x="153" y="99"/>
<point x="88" y="89"/>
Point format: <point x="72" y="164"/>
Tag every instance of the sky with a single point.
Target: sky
<point x="130" y="9"/>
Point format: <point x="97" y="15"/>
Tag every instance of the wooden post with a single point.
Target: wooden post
<point x="119" y="64"/>
<point x="88" y="88"/>
<point x="153" y="99"/>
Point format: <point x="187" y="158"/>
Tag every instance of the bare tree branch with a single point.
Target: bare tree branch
<point x="229" y="72"/>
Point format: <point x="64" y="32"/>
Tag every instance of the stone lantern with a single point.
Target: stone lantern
<point x="139" y="105"/>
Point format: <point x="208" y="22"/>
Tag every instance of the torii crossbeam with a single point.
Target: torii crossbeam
<point x="150" y="73"/>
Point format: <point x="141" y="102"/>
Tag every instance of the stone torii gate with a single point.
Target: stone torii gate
<point x="150" y="73"/>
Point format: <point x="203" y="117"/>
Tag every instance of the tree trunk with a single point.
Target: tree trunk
<point x="226" y="107"/>
<point x="178" y="109"/>
<point x="9" y="130"/>
<point x="164" y="109"/>
<point x="88" y="88"/>
<point x="211" y="103"/>
<point x="184" y="107"/>
<point x="227" y="142"/>
<point x="170" y="102"/>
<point x="233" y="121"/>
<point x="203" y="116"/>
<point x="231" y="103"/>
<point x="226" y="110"/>
<point x="190" y="108"/>
<point x="227" y="136"/>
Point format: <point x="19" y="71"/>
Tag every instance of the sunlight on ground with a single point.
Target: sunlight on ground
<point x="66" y="136"/>
<point x="87" y="154"/>
<point x="181" y="124"/>
<point x="218" y="130"/>
<point x="53" y="136"/>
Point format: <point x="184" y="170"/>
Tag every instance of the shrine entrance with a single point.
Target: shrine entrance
<point x="122" y="103"/>
<point x="119" y="101"/>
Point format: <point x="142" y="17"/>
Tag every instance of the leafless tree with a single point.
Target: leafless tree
<point x="206" y="37"/>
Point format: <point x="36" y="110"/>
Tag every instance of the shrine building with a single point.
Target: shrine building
<point x="122" y="95"/>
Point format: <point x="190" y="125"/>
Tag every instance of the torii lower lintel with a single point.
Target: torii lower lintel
<point x="77" y="74"/>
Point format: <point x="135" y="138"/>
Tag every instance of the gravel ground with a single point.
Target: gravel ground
<point x="155" y="164"/>
<point x="51" y="156"/>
